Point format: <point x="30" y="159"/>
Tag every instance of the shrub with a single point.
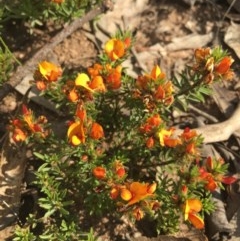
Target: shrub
<point x="121" y="153"/>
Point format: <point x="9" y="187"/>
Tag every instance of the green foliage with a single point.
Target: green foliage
<point x="7" y="60"/>
<point x="167" y="216"/>
<point x="190" y="88"/>
<point x="24" y="234"/>
<point x="37" y="13"/>
<point x="121" y="154"/>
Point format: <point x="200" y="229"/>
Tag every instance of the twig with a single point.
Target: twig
<point x="202" y="113"/>
<point x="228" y="10"/>
<point x="220" y="131"/>
<point x="188" y="89"/>
<point x="23" y="70"/>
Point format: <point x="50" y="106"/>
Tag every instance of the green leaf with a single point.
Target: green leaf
<point x="46" y="236"/>
<point x="49" y="213"/>
<point x="40" y="156"/>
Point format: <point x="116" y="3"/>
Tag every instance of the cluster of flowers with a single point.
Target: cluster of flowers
<point x="211" y="175"/>
<point x="211" y="67"/>
<point x="28" y="126"/>
<point x="133" y="198"/>
<point x="100" y="78"/>
<point x="154" y="89"/>
<point x="155" y="132"/>
<point x="155" y="92"/>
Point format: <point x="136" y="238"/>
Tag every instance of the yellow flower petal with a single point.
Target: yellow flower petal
<point x="76" y="133"/>
<point x="126" y="195"/>
<point x="115" y="49"/>
<point x="163" y="133"/>
<point x="156" y="71"/>
<point x="186" y="211"/>
<point x="75" y="140"/>
<point x="109" y="46"/>
<point x="82" y="80"/>
<point x="49" y="70"/>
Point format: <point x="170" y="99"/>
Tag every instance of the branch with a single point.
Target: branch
<point x="220" y="131"/>
<point x="31" y="64"/>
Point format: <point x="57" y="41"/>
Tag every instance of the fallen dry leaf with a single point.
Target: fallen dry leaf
<point x="232" y="37"/>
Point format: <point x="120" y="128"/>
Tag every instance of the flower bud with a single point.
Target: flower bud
<point x="114" y="192"/>
<point x="126" y="195"/>
<point x="99" y="172"/>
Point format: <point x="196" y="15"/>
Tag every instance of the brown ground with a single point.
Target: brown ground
<point x="157" y="24"/>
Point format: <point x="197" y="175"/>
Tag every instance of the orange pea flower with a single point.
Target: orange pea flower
<point x="28" y="118"/>
<point x="224" y="66"/>
<point x="212" y="175"/>
<point x="95" y="70"/>
<point x="115" y="48"/>
<point x="151" y="123"/>
<point x="34" y="125"/>
<point x="156" y="87"/>
<point x="164" y="93"/>
<point x="191" y="148"/>
<point x="27" y="126"/>
<point x="171" y="142"/>
<point x="209" y="66"/>
<point x="188" y="134"/>
<point x="96" y="131"/>
<point x="113" y="78"/>
<point x="83" y="80"/>
<point x="191" y="209"/>
<point x="76" y="135"/>
<point x="160" y="93"/>
<point x="99" y="172"/>
<point x="73" y="95"/>
<point x="156" y="73"/>
<point x="143" y="80"/>
<point x="19" y="135"/>
<point x="209" y="163"/>
<point x="168" y="87"/>
<point x="126" y="195"/>
<point x="97" y="84"/>
<point x="136" y="191"/>
<point x="163" y="134"/>
<point x="166" y="139"/>
<point x="50" y="71"/>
